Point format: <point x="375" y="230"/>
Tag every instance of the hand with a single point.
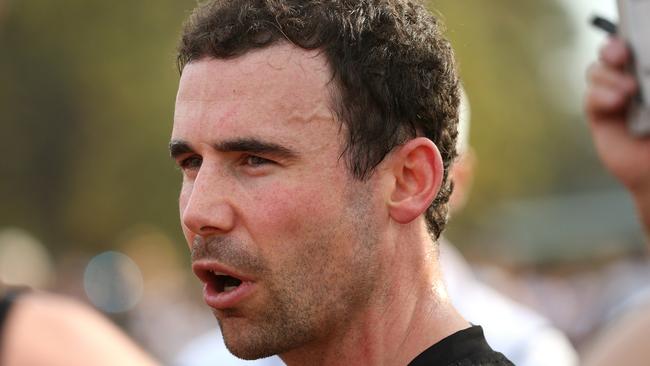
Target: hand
<point x="610" y="90"/>
<point x="627" y="157"/>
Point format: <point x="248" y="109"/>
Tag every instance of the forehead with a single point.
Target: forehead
<point x="278" y="86"/>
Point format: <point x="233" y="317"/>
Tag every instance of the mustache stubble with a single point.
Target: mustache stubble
<point x="227" y="251"/>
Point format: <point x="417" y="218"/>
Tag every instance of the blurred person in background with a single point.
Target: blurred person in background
<point x="315" y="140"/>
<point x="627" y="157"/>
<point x="519" y="332"/>
<point x="44" y="329"/>
<point x="524" y="336"/>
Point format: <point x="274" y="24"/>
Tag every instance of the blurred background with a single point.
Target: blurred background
<point x="88" y="191"/>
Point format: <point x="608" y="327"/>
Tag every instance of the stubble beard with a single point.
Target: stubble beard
<point x="316" y="295"/>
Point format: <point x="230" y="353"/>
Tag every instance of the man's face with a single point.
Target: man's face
<point x="283" y="238"/>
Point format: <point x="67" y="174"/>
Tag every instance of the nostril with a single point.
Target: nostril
<point x="207" y="229"/>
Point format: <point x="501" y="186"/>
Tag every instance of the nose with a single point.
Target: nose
<point x="205" y="206"/>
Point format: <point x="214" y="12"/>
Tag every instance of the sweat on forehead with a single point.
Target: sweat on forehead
<point x="292" y="65"/>
<point x="280" y="80"/>
<point x="253" y="98"/>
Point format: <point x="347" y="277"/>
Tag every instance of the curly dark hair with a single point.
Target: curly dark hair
<point x="395" y="72"/>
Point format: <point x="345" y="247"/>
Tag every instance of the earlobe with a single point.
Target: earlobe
<point x="418" y="169"/>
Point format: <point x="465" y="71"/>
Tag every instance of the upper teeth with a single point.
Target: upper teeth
<point x="218" y="273"/>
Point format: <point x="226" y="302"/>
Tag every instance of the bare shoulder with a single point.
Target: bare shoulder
<point x="55" y="330"/>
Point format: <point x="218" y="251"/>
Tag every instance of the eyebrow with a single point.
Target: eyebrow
<point x="250" y="145"/>
<point x="255" y="146"/>
<point x="179" y="147"/>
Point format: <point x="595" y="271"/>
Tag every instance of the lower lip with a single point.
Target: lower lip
<point x="225" y="300"/>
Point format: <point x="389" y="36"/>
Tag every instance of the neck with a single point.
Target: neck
<point x="409" y="312"/>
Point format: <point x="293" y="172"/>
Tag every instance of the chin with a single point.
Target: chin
<point x="246" y="341"/>
<point x="249" y="350"/>
<point x="253" y="343"/>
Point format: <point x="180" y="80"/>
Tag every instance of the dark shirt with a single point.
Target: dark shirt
<point x="467" y="347"/>
<point x="6" y="300"/>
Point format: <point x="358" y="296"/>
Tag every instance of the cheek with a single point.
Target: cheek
<point x="291" y="211"/>
<point x="303" y="232"/>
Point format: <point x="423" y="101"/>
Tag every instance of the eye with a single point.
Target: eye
<point x="191" y="162"/>
<point x="256" y="161"/>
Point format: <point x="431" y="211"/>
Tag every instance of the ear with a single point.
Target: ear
<point x="418" y="170"/>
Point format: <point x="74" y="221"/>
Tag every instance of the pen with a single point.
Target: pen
<point x="604" y="24"/>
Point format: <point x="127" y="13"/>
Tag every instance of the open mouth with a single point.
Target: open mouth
<point x="222" y="282"/>
<point x="222" y="290"/>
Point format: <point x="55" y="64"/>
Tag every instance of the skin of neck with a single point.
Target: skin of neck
<point x="408" y="312"/>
